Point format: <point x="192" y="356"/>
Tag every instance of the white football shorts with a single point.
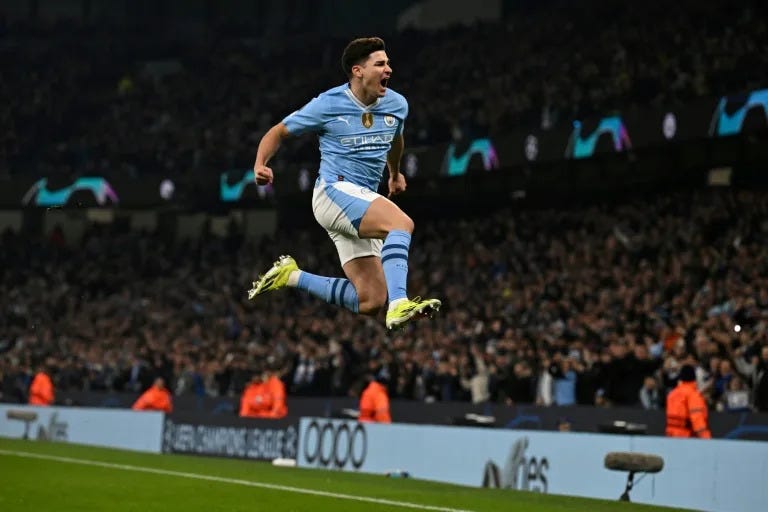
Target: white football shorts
<point x="339" y="207"/>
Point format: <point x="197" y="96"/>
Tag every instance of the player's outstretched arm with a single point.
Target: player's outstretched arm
<point x="268" y="146"/>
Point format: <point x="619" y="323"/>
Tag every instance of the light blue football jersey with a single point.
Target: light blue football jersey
<point x="354" y="138"/>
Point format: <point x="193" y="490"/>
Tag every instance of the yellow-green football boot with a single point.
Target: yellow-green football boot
<point x="407" y="309"/>
<point x="275" y="278"/>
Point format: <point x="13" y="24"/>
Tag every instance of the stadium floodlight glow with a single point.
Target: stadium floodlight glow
<point x="167" y="188"/>
<point x="305" y="179"/>
<point x="669" y="126"/>
<point x="411" y="165"/>
<point x="583" y="146"/>
<point x="40" y="195"/>
<point x="531" y="148"/>
<point x="730" y="121"/>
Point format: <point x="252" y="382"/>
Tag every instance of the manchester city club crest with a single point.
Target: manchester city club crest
<point x="389" y="120"/>
<point x="367" y="119"/>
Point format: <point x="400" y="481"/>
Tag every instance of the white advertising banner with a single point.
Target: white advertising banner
<point x="112" y="428"/>
<point x="716" y="475"/>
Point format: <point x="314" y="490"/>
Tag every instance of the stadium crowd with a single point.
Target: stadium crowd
<point x="597" y="305"/>
<point x="96" y="102"/>
<point x="600" y="305"/>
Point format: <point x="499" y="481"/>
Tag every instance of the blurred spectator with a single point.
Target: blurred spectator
<point x="722" y="379"/>
<point x="519" y="386"/>
<point x="590" y="378"/>
<point x="563" y="425"/>
<point x="475" y="376"/>
<point x="761" y="381"/>
<point x="374" y="403"/>
<point x="650" y="398"/>
<point x="255" y="401"/>
<point x="735" y="398"/>
<point x="41" y="389"/>
<point x="627" y="371"/>
<point x="305" y="367"/>
<point x="156" y="398"/>
<point x="564" y="380"/>
<point x="277" y="400"/>
<point x="686" y="408"/>
<point x="545" y="383"/>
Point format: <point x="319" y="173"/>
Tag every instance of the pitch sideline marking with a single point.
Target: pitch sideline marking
<point x="236" y="481"/>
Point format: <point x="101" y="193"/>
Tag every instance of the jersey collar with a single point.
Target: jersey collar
<point x="359" y="103"/>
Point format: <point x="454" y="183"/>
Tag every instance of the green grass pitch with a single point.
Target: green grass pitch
<point x="41" y="476"/>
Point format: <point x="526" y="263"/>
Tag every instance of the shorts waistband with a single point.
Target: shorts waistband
<point x="320" y="181"/>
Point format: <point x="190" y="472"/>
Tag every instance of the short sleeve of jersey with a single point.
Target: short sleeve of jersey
<point x="308" y="118"/>
<point x="403" y="114"/>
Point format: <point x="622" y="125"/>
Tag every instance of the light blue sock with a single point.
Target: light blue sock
<point x="394" y="259"/>
<point x="332" y="290"/>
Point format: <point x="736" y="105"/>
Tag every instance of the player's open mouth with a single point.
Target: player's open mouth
<point x="384" y="82"/>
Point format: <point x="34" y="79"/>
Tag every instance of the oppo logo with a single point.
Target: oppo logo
<point x="519" y="471"/>
<point x="337" y="445"/>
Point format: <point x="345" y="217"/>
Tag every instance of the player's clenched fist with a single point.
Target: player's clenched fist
<point x="263" y="174"/>
<point x="396" y="184"/>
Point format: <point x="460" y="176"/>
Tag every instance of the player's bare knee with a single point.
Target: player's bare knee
<point x="405" y="223"/>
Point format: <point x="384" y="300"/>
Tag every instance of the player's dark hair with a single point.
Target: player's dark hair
<point x="357" y="52"/>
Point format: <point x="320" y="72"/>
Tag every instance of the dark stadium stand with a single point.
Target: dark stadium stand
<point x="99" y="100"/>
